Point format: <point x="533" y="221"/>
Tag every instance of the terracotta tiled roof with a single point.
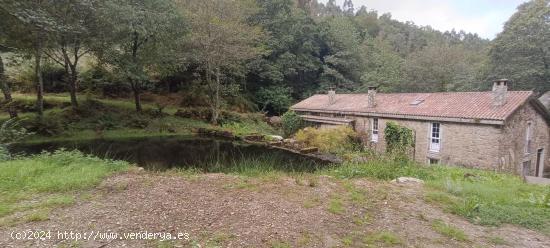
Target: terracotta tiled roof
<point x="463" y="105"/>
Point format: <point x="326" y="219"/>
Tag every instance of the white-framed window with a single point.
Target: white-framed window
<point x="374" y="132"/>
<point x="435" y="137"/>
<point x="528" y="134"/>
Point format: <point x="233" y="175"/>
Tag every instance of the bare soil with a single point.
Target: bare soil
<point x="218" y="210"/>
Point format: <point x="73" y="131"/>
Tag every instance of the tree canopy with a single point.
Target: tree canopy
<point x="267" y="52"/>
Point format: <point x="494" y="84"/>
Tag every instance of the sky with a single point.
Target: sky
<point x="484" y="17"/>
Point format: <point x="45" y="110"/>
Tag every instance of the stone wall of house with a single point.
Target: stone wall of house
<point x="467" y="145"/>
<point x="513" y="143"/>
<point x="492" y="147"/>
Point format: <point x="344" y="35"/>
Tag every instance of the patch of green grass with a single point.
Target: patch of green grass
<point x="449" y="231"/>
<point x="219" y="239"/>
<point x="384" y="169"/>
<point x="361" y="219"/>
<point x="50" y="177"/>
<point x="495" y="240"/>
<point x="383" y="238"/>
<point x="347" y="241"/>
<point x="336" y="205"/>
<point x="483" y="197"/>
<point x="356" y="195"/>
<point x="38" y="215"/>
<point x="242" y="184"/>
<point x="312" y="202"/>
<point x="305" y="239"/>
<point x="249" y="127"/>
<point x="270" y="166"/>
<point x="280" y="244"/>
<point x="59" y="200"/>
<point x="306" y="179"/>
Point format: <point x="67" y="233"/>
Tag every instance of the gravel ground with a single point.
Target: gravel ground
<point x="217" y="210"/>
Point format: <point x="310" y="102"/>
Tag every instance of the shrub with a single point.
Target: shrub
<point x="275" y="98"/>
<point x="398" y="139"/>
<point x="332" y="140"/>
<point x="225" y="116"/>
<point x="10" y="132"/>
<point x="44" y="126"/>
<point x="291" y="123"/>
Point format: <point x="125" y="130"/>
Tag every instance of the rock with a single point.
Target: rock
<point x="275" y="120"/>
<point x="408" y="180"/>
<point x="254" y="137"/>
<point x="276" y="137"/>
<point x="275" y="143"/>
<point x="289" y="141"/>
<point x="309" y="150"/>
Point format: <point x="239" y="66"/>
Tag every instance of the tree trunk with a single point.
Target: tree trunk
<point x="72" y="87"/>
<point x="38" y="74"/>
<point x="216" y="110"/>
<point x="6" y="91"/>
<point x="135" y="85"/>
<point x="213" y="95"/>
<point x="137" y="98"/>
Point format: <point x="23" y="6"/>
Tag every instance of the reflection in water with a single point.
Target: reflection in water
<point x="161" y="153"/>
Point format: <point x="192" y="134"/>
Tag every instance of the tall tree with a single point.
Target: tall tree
<point x="6" y="91"/>
<point x="384" y="67"/>
<point x="343" y="55"/>
<point x="221" y="41"/>
<point x="143" y="33"/>
<point x="293" y="45"/>
<point x="35" y="22"/>
<point x="80" y="22"/>
<point x="438" y="68"/>
<point x="347" y="8"/>
<point x="522" y="51"/>
<point x="6" y="29"/>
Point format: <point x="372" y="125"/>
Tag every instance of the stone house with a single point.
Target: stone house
<point x="498" y="130"/>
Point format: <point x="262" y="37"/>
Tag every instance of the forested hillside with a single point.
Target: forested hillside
<point x="255" y="54"/>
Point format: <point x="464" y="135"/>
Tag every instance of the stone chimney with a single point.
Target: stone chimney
<point x="500" y="91"/>
<point x="331" y="96"/>
<point x="371" y="96"/>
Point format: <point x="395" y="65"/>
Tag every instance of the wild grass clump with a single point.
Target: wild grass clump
<point x="490" y="198"/>
<point x="248" y="127"/>
<point x="47" y="175"/>
<point x="483" y="197"/>
<point x="330" y="140"/>
<point x="382" y="168"/>
<point x="449" y="231"/>
<point x="257" y="166"/>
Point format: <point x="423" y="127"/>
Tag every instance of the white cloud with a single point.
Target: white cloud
<point x="484" y="17"/>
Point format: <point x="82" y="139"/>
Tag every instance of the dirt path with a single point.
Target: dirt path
<point x="218" y="210"/>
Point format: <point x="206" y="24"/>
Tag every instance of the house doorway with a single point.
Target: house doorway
<point x="540" y="165"/>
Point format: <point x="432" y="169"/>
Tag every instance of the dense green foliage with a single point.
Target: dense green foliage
<point x="399" y="139"/>
<point x="108" y="118"/>
<point x="337" y="140"/>
<point x="291" y="123"/>
<point x="272" y="52"/>
<point x="522" y="51"/>
<point x="10" y="132"/>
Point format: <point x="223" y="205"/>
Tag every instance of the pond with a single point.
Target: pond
<point x="163" y="153"/>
